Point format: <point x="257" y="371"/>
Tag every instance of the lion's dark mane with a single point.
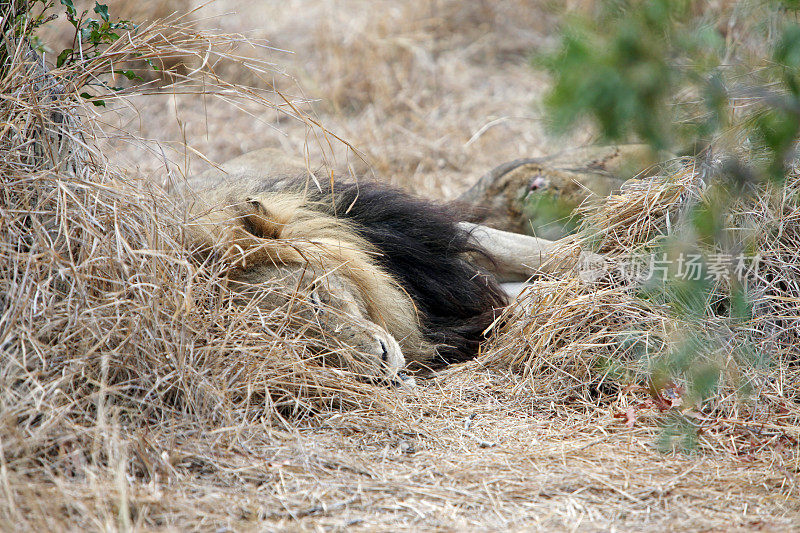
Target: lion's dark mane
<point x="422" y="246"/>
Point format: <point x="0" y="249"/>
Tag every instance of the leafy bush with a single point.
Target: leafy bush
<point x="92" y="36"/>
<point x="680" y="75"/>
<point x="722" y="85"/>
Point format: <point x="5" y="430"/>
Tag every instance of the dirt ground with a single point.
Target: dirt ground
<point x="530" y="469"/>
<point x="433" y="94"/>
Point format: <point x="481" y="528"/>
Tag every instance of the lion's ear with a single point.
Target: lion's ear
<point x="257" y="219"/>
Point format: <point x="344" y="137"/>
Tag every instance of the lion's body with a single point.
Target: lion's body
<point x="409" y="282"/>
<point x="403" y="263"/>
<point x="537" y="195"/>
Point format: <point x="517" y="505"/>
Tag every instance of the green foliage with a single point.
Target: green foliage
<point x="683" y="76"/>
<point x="659" y="72"/>
<point x="551" y="217"/>
<point x="95" y="34"/>
<point x="92" y="36"/>
<point x="677" y="432"/>
<point x="776" y="130"/>
<point x="620" y="68"/>
<point x="741" y="304"/>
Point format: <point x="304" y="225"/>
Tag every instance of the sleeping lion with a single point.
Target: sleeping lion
<point x="406" y="282"/>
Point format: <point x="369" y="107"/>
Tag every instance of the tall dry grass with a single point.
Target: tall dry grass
<point x="111" y="324"/>
<point x="433" y="94"/>
<point x="686" y="355"/>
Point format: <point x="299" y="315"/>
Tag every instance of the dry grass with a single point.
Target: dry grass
<point x="416" y="99"/>
<point x="564" y="337"/>
<point x="645" y="210"/>
<point x="110" y="326"/>
<point x="572" y="340"/>
<point x="135" y="394"/>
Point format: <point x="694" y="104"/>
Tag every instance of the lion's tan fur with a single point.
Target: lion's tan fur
<point x="269" y="232"/>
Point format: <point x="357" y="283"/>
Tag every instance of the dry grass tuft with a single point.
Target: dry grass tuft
<point x="769" y="222"/>
<point x="644" y="210"/>
<point x="681" y="350"/>
<point x="110" y="325"/>
<point x="568" y="339"/>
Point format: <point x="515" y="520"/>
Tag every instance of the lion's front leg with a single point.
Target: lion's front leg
<point x="372" y="351"/>
<point x="352" y="340"/>
<point x="517" y="258"/>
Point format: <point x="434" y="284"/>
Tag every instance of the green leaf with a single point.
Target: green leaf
<point x="93" y="100"/>
<point x="131" y="75"/>
<point x="787" y="56"/>
<point x="705" y="379"/>
<point x="741" y="305"/>
<point x="63" y="56"/>
<point x="71" y="12"/>
<point x="792" y="5"/>
<point x="102" y="10"/>
<point x="776" y="129"/>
